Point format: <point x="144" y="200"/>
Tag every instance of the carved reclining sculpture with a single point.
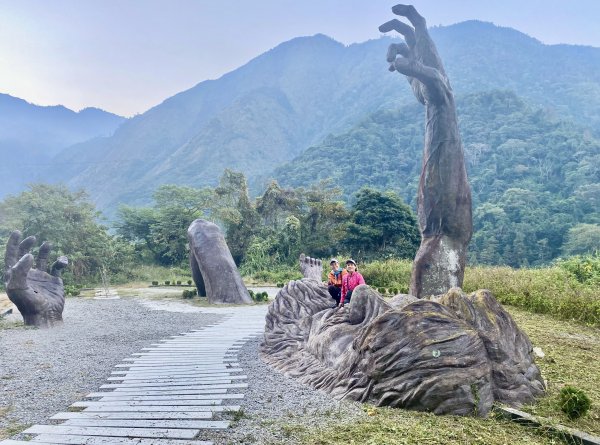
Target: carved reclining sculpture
<point x="39" y="296"/>
<point x="455" y="355"/>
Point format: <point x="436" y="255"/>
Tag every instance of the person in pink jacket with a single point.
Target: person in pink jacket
<point x="352" y="279"/>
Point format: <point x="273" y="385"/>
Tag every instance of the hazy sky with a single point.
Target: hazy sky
<point x="126" y="56"/>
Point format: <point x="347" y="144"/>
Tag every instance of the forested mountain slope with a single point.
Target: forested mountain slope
<point x="533" y="177"/>
<point x="271" y="109"/>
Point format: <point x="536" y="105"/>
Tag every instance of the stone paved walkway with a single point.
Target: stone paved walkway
<point x="167" y="394"/>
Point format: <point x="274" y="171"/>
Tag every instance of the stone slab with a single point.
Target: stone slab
<point x="172" y="398"/>
<point x="167" y="408"/>
<point x="132" y="423"/>
<point x="134" y="415"/>
<point x="106" y="394"/>
<point x="103" y="440"/>
<point x="203" y="402"/>
<point x="164" y="433"/>
<point x="118" y="387"/>
<point x="187" y="376"/>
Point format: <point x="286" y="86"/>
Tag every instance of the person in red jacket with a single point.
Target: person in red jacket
<point x="352" y="279"/>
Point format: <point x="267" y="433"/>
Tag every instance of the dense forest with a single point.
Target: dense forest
<point x="535" y="179"/>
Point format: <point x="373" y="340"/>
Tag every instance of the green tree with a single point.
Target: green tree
<point x="381" y="225"/>
<point x="162" y="229"/>
<point x="70" y="222"/>
<point x="582" y="239"/>
<point x="236" y="212"/>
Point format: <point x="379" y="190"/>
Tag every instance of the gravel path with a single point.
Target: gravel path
<point x="42" y="372"/>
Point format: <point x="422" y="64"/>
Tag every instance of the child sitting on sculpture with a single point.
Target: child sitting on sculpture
<point x="334" y="280"/>
<point x="349" y="282"/>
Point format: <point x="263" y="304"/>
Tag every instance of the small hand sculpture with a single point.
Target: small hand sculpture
<point x="39" y="296"/>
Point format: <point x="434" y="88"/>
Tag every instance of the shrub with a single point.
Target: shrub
<point x="178" y="283"/>
<point x="188" y="293"/>
<point x="259" y="296"/>
<point x="155" y="283"/>
<point x="71" y="290"/>
<point x="574" y="402"/>
<point x="280" y="285"/>
<point x="389" y="273"/>
<point x="167" y="282"/>
<point x="584" y="268"/>
<point x="189" y="282"/>
<point x="381" y="290"/>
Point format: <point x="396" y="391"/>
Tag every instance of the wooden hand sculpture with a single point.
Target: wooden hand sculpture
<point x="444" y="196"/>
<point x="38" y="295"/>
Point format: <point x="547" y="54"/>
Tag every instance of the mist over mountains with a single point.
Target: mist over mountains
<point x="30" y="135"/>
<point x="269" y="111"/>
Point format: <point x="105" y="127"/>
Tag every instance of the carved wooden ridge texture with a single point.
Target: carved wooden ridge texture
<point x="444" y="196"/>
<point x="213" y="268"/>
<point x="38" y="295"/>
<point x="456" y="355"/>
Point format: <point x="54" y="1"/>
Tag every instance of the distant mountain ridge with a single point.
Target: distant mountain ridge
<point x="270" y="110"/>
<point x="30" y="135"/>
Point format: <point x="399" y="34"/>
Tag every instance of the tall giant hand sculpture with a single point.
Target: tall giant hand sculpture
<point x="444" y="197"/>
<point x="39" y="296"/>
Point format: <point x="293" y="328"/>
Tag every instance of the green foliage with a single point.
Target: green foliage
<point x="533" y="177"/>
<point x="69" y="221"/>
<point x="155" y="283"/>
<point x="72" y="290"/>
<point x="189" y="282"/>
<point x="585" y="269"/>
<point x="551" y="290"/>
<point x="381" y="226"/>
<point x="582" y="239"/>
<point x="187" y="294"/>
<point x="258" y="296"/>
<point x="167" y="282"/>
<point x="388" y="273"/>
<point x="574" y="402"/>
<point x="160" y="232"/>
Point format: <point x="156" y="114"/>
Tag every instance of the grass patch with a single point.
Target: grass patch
<point x="552" y="290"/>
<point x="400" y="427"/>
<point x="571" y="359"/>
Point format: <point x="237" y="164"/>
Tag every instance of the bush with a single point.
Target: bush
<point x="72" y="290"/>
<point x="167" y="282"/>
<point x="259" y="296"/>
<point x="585" y="269"/>
<point x="280" y="285"/>
<point x="178" y="283"/>
<point x="389" y="273"/>
<point x="188" y="293"/>
<point x="155" y="283"/>
<point x="574" y="402"/>
<point x="551" y="290"/>
<point x="189" y="282"/>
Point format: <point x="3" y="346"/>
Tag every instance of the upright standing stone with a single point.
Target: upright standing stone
<point x="213" y="268"/>
<point x="444" y="197"/>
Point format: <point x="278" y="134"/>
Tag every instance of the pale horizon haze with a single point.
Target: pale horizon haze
<point x="126" y="56"/>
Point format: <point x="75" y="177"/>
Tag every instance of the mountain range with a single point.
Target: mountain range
<point x="31" y="135"/>
<point x="297" y="95"/>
